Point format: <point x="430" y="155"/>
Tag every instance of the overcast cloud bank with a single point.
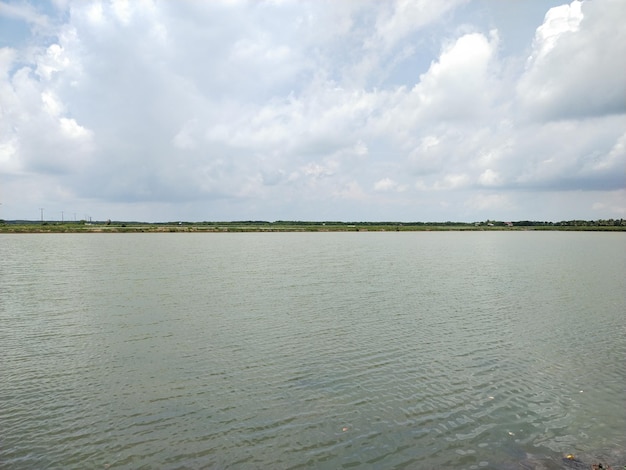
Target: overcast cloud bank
<point x="349" y="110"/>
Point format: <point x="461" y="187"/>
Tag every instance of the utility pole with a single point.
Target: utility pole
<point x="41" y="210"/>
<point x="61" y="216"/>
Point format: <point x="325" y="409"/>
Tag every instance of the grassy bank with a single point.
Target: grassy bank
<point x="296" y="226"/>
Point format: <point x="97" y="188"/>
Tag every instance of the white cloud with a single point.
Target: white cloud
<point x="352" y="191"/>
<point x="38" y="134"/>
<point x="457" y="86"/>
<point x="567" y="154"/>
<point x="317" y="170"/>
<point x="185" y="138"/>
<point x="451" y="181"/>
<point x="387" y="184"/>
<point x="9" y="163"/>
<point x="558" y="21"/>
<point x="400" y="18"/>
<point x="51" y="104"/>
<point x="403" y="110"/>
<point x="71" y="129"/>
<point x="614" y="159"/>
<point x="23" y="11"/>
<point x="122" y="10"/>
<point x="52" y="61"/>
<point x="95" y="13"/>
<point x="489" y="177"/>
<point x="578" y="65"/>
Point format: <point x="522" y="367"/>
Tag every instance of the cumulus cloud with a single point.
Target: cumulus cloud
<point x="39" y="136"/>
<point x="489" y="177"/>
<point x="398" y="19"/>
<point x="25" y="12"/>
<point x="577" y="67"/>
<point x="351" y="110"/>
<point x="387" y="184"/>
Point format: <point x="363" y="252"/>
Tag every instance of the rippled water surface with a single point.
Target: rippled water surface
<point x="312" y="350"/>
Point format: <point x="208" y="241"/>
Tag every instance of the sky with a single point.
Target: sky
<point x="346" y="110"/>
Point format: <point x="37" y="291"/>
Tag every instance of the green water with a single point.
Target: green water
<point x="312" y="350"/>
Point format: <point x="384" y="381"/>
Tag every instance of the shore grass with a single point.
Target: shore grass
<point x="286" y="226"/>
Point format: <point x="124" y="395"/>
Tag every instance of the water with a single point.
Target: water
<point x="312" y="350"/>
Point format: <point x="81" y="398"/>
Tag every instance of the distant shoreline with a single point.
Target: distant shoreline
<point x="281" y="226"/>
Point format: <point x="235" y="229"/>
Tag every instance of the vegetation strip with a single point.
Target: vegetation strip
<point x="22" y="226"/>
